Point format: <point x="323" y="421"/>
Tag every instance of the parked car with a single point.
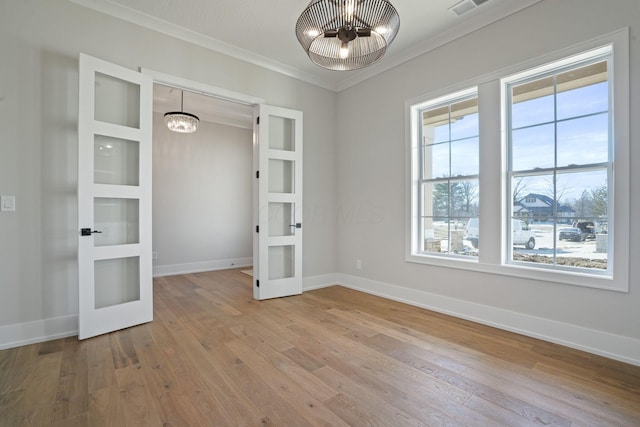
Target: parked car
<point x="587" y="228"/>
<point x="522" y="235"/>
<point x="571" y="233"/>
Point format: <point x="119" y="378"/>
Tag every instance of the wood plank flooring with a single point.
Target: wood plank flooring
<point x="215" y="357"/>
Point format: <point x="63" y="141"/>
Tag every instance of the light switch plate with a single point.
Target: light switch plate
<point x="7" y="203"/>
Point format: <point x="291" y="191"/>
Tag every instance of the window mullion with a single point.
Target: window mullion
<point x="555" y="167"/>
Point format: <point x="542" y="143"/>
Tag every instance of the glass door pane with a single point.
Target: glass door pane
<point x="281" y="133"/>
<point x="281" y="176"/>
<point x="117" y="220"/>
<point x="117" y="101"/>
<point x="281" y="218"/>
<point x="281" y="262"/>
<point x="116" y="161"/>
<point x="117" y="281"/>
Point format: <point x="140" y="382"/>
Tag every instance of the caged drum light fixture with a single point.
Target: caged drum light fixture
<point x="347" y="34"/>
<point x="179" y="121"/>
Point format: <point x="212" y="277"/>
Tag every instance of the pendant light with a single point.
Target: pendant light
<point x="179" y="121"/>
<point x="347" y="34"/>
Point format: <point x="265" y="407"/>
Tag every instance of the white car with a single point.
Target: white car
<point x="522" y="235"/>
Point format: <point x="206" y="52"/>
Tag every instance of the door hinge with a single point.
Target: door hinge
<point x="257" y="283"/>
<point x="258" y="120"/>
<point x="257" y="174"/>
<point x="257" y="228"/>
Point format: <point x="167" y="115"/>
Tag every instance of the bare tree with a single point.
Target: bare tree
<point x="599" y="197"/>
<point x="584" y="205"/>
<point x="555" y="191"/>
<point x="519" y="187"/>
<point x="467" y="193"/>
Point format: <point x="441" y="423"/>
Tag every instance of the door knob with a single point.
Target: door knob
<point x="88" y="232"/>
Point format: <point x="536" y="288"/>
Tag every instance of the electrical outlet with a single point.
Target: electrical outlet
<point x="358" y="264"/>
<point x="7" y="203"/>
<point x="154" y="255"/>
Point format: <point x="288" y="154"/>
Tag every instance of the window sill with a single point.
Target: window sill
<point x="587" y="280"/>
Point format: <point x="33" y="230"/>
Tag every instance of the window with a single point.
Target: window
<point x="448" y="166"/>
<point x="559" y="122"/>
<point x="542" y="147"/>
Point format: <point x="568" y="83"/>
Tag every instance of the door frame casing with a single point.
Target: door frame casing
<point x="202" y="88"/>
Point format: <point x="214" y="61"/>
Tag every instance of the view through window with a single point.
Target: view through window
<point x="449" y="166"/>
<point x="559" y="138"/>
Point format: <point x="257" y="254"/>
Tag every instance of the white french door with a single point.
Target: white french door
<point x="277" y="245"/>
<point x="114" y="197"/>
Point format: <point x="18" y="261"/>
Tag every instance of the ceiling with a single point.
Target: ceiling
<point x="262" y="32"/>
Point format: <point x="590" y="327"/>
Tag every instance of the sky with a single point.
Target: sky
<point x="579" y="137"/>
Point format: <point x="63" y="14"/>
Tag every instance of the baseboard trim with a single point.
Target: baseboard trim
<point x="198" y="267"/>
<point x="613" y="346"/>
<point x="37" y="331"/>
<point x="317" y="282"/>
<point x="617" y="347"/>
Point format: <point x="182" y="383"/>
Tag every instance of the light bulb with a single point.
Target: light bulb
<point x="381" y="30"/>
<point x="313" y="33"/>
<point x="344" y="50"/>
<point x="350" y="10"/>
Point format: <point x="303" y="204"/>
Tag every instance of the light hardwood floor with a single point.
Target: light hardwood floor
<point x="215" y="357"/>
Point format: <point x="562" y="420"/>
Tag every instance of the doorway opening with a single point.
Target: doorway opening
<point x="202" y="184"/>
<point x="277" y="208"/>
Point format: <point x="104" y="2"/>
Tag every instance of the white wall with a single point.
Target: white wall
<point x="39" y="46"/>
<point x="202" y="198"/>
<point x="371" y="195"/>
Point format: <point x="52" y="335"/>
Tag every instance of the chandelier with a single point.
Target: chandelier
<point x="347" y="34"/>
<point x="179" y="121"/>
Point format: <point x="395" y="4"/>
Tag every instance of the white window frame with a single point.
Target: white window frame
<point x="604" y="53"/>
<point x="494" y="210"/>
<point x="416" y="108"/>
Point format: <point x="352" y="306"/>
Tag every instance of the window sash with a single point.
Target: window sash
<point x="443" y="102"/>
<point x="555" y="170"/>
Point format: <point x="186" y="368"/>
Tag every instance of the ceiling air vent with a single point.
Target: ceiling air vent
<point x="465" y="6"/>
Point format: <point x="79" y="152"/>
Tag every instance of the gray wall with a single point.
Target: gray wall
<point x="202" y="197"/>
<point x="371" y="170"/>
<point x="361" y="218"/>
<point x="39" y="46"/>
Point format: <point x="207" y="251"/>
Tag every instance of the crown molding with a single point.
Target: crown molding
<point x="142" y="19"/>
<point x="481" y="19"/>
